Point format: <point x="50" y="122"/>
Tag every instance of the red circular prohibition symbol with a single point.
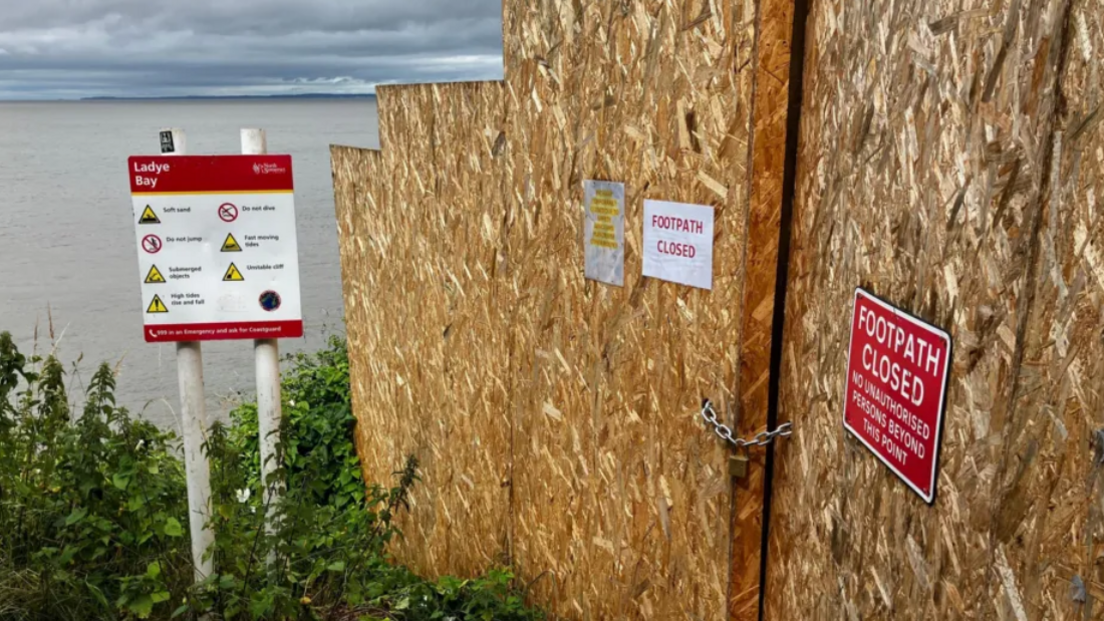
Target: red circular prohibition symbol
<point x="228" y="212"/>
<point x="151" y="244"/>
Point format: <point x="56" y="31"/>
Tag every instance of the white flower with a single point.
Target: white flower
<point x="292" y="403"/>
<point x="244" y="494"/>
<point x="141" y="443"/>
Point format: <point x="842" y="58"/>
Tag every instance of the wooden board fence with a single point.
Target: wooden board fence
<point x="556" y="418"/>
<point x="951" y="161"/>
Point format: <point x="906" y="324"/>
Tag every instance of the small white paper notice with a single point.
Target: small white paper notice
<point x="605" y="232"/>
<point x="678" y="243"/>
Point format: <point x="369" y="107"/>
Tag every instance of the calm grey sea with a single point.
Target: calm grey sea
<point x="67" y="241"/>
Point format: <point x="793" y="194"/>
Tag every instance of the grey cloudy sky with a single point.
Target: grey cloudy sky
<point x="76" y="48"/>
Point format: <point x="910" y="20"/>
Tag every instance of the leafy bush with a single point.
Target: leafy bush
<point x="93" y="513"/>
<point x="490" y="598"/>
<point x="90" y="506"/>
<point x="319" y="457"/>
<point x="324" y="555"/>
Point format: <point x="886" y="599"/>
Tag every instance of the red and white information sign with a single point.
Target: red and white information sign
<point x="897" y="370"/>
<point x="217" y="252"/>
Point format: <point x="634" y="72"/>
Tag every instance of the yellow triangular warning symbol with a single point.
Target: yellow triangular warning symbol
<point x="231" y="244"/>
<point x="154" y="276"/>
<point x="148" y="217"/>
<point x="157" y="306"/>
<point x="232" y="274"/>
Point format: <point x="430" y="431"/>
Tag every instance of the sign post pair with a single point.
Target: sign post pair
<point x="217" y="260"/>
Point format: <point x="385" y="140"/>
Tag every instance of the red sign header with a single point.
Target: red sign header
<point x="193" y="174"/>
<point x="897" y="371"/>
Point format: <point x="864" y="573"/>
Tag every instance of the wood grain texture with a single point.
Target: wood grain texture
<point x="949" y="162"/>
<point x="557" y="418"/>
<point x="774" y="28"/>
<point x="621" y="496"/>
<point x="415" y="249"/>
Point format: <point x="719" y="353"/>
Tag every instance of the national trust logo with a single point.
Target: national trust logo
<point x="268" y="168"/>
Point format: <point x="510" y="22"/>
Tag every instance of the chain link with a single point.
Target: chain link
<point x="724" y="432"/>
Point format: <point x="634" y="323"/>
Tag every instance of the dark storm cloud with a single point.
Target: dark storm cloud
<point x="73" y="48"/>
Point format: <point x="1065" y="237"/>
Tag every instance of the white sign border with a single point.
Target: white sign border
<point x="898" y="312"/>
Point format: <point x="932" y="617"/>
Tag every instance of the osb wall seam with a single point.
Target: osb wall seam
<point x="770" y="89"/>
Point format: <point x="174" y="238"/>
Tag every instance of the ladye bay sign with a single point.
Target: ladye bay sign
<point x="897" y="370"/>
<point x="218" y="256"/>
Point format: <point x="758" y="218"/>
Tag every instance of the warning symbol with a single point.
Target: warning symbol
<point x="270" y="301"/>
<point x="157" y="306"/>
<point x="231" y="244"/>
<point x="148" y="217"/>
<point x="232" y="274"/>
<point x="154" y="276"/>
<point x="228" y="212"/>
<point x="151" y="244"/>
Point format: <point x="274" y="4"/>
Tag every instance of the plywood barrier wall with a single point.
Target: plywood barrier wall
<point x="557" y="419"/>
<point x="427" y="353"/>
<point x="951" y="161"/>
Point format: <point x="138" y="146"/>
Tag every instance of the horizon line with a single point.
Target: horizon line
<point x="101" y="98"/>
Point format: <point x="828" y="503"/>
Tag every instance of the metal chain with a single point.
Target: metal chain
<point x="762" y="438"/>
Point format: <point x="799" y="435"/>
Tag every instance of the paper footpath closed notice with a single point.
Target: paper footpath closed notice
<point x="678" y="243"/>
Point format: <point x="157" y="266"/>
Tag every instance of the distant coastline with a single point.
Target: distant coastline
<point x="233" y="97"/>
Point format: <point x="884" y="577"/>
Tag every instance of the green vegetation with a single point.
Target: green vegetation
<point x="93" y="516"/>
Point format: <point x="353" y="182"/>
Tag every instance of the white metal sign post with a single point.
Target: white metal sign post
<point x="218" y="260"/>
<point x="193" y="415"/>
<point x="266" y="354"/>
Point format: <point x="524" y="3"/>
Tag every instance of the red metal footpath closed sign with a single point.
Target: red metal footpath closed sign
<point x="897" y="369"/>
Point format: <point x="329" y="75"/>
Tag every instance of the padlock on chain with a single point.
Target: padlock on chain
<point x="738" y="464"/>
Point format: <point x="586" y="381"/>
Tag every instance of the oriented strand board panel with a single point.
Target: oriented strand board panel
<point x="951" y="159"/>
<point x="1060" y="408"/>
<point x="620" y="498"/>
<point x="556" y="418"/>
<point x="427" y="353"/>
